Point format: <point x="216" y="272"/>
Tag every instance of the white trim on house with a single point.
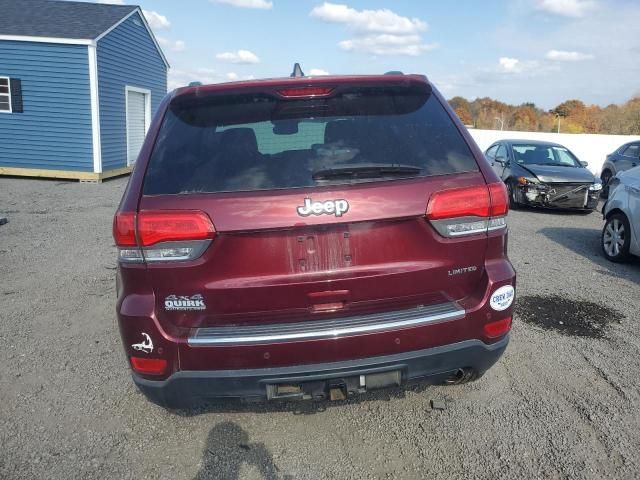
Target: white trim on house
<point x="153" y="37"/>
<point x="147" y="113"/>
<point x="69" y="41"/>
<point x="83" y="41"/>
<point x="95" y="109"/>
<point x="146" y="25"/>
<point x="8" y="95"/>
<point x="115" y="25"/>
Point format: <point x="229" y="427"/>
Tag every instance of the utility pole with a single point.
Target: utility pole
<point x="558" y="115"/>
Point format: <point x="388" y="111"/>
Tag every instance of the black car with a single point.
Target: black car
<point x="544" y="174"/>
<point x="625" y="157"/>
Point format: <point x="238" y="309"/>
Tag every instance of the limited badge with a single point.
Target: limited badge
<point x="145" y="346"/>
<point x="502" y="298"/>
<point x="183" y="302"/>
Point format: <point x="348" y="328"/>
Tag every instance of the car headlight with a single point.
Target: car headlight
<point x="528" y="181"/>
<point x="595" y="187"/>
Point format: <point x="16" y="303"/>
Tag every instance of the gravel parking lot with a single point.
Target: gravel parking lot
<point x="562" y="402"/>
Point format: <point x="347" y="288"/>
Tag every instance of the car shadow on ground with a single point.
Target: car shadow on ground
<point x="586" y="242"/>
<point x="303" y="407"/>
<point x="228" y="449"/>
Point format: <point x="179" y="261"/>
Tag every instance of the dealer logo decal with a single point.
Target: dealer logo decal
<point x="183" y="302"/>
<point x="145" y="346"/>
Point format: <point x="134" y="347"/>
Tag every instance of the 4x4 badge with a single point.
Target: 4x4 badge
<point x="184" y="302"/>
<point x="327" y="207"/>
<point x="145" y="346"/>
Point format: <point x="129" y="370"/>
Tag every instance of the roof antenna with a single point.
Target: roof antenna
<point x="297" y="71"/>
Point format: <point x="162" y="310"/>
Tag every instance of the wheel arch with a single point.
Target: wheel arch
<point x="613" y="211"/>
<point x="606" y="168"/>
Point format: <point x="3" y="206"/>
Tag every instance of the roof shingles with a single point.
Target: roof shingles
<point x="59" y="19"/>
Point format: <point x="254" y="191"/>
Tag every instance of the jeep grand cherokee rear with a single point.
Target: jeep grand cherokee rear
<point x="310" y="238"/>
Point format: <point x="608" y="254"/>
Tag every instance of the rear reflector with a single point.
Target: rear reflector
<point x="169" y="226"/>
<point x="149" y="366"/>
<point x="305" y="91"/>
<point x="497" y="328"/>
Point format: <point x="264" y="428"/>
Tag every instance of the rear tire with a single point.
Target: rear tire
<point x="616" y="238"/>
<point x="606" y="178"/>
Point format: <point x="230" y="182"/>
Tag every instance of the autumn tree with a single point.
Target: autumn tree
<point x="574" y="115"/>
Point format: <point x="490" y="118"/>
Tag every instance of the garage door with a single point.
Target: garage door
<point x="136" y="123"/>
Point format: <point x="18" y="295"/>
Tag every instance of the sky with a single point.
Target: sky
<point x="516" y="51"/>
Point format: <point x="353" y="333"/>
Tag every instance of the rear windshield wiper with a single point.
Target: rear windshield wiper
<point x="366" y="171"/>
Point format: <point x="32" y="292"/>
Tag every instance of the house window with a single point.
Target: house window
<point x="5" y="94"/>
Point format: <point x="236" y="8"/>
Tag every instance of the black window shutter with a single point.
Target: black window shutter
<point x="16" y="96"/>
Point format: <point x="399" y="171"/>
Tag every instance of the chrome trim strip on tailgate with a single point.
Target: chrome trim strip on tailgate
<point x="325" y="329"/>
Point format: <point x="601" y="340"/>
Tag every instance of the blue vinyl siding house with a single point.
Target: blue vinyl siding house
<point x="79" y="83"/>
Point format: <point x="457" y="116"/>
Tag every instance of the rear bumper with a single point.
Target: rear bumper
<point x="431" y="365"/>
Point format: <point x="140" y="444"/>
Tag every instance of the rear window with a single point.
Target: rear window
<point x="224" y="143"/>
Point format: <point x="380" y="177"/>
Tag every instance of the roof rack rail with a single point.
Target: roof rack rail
<point x="297" y="71"/>
<point x="394" y="72"/>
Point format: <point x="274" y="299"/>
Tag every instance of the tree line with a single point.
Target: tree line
<point x="573" y="116"/>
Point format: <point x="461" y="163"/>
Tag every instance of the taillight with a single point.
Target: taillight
<point x="149" y="366"/>
<point x="124" y="229"/>
<point x="499" y="199"/>
<point x="165" y="235"/>
<point x="469" y="210"/>
<point x="165" y="226"/>
<point x="459" y="202"/>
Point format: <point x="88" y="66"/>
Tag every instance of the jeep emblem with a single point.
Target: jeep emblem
<point x="328" y="207"/>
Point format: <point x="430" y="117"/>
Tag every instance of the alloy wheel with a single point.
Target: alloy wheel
<point x="614" y="237"/>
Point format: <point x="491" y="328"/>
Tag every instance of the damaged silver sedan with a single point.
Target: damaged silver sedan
<point x="544" y="174"/>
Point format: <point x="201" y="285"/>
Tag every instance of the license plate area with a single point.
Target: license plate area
<point x="333" y="389"/>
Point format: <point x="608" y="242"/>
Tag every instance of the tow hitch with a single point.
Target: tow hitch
<point x="333" y="389"/>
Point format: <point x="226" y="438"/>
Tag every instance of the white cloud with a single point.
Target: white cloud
<point x="317" y="71"/>
<point x="566" y="8"/>
<point x="241" y="56"/>
<point x="259" y="4"/>
<point x="386" y="44"/>
<point x="375" y="21"/>
<point x="509" y="64"/>
<point x="177" y="46"/>
<point x="515" y="66"/>
<point x="156" y="20"/>
<point x="565" y="56"/>
<point x="232" y="76"/>
<point x="378" y="32"/>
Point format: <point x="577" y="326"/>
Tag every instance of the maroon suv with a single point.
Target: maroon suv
<point x="310" y="238"/>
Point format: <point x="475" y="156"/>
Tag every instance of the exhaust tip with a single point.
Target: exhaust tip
<point x="460" y="376"/>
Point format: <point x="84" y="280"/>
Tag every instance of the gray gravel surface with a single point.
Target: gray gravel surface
<point x="555" y="406"/>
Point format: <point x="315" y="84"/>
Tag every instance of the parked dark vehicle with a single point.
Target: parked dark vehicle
<point x="625" y="157"/>
<point x="544" y="174"/>
<point x="310" y="238"/>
